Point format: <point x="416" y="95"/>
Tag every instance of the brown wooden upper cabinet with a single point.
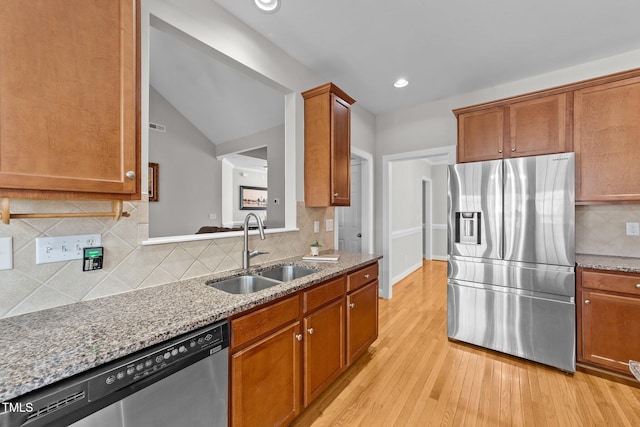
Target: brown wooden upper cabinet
<point x="514" y="129"/>
<point x="69" y="84"/>
<point x="327" y="146"/>
<point x="607" y="141"/>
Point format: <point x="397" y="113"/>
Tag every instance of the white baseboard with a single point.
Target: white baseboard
<point x="405" y="273"/>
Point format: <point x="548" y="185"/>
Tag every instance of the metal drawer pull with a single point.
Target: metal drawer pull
<point x="366" y="276"/>
<point x="130" y="174"/>
<point x="587" y="301"/>
<point x="299" y="337"/>
<point x="638" y="286"/>
<point x="310" y="330"/>
<point x="352" y="305"/>
<point x="335" y="194"/>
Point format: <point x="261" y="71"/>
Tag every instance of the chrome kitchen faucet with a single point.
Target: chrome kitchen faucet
<point x="246" y="254"/>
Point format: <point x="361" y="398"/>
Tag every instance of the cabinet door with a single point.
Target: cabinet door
<point x="538" y="126"/>
<point x="68" y="84"/>
<point x="265" y="380"/>
<point x="610" y="330"/>
<point x="606" y="134"/>
<point x="481" y="135"/>
<point x="323" y="348"/>
<point x="340" y="152"/>
<point x="362" y="320"/>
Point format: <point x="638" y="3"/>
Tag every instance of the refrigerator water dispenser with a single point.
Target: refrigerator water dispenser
<point x="467" y="228"/>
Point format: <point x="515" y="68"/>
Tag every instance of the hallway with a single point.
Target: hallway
<point x="413" y="376"/>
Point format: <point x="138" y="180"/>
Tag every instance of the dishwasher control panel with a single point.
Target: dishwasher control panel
<point x="128" y="371"/>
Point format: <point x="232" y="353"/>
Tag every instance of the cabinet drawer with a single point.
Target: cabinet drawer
<point x="614" y="282"/>
<point x="259" y="322"/>
<point x="361" y="277"/>
<point x="322" y="294"/>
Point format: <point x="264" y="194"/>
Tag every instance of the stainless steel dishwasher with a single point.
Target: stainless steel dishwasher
<point x="182" y="382"/>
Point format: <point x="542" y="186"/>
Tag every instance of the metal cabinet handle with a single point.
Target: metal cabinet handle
<point x="499" y="150"/>
<point x="513" y="149"/>
<point x="352" y="305"/>
<point x="310" y="330"/>
<point x="638" y="286"/>
<point x="335" y="194"/>
<point x="299" y="337"/>
<point x="587" y="301"/>
<point x="366" y="276"/>
<point x="130" y="174"/>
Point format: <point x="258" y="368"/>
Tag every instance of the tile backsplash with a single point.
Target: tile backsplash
<point x="601" y="230"/>
<point x="128" y="265"/>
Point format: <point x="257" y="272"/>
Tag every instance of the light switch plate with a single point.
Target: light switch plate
<point x="6" y="253"/>
<point x="64" y="248"/>
<point x="633" y="229"/>
<point x="316" y="226"/>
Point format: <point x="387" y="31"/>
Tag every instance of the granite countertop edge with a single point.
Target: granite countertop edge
<point x="609" y="263"/>
<point x="87" y="334"/>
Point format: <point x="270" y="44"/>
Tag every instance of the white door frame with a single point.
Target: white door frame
<point x="427" y="205"/>
<point x="366" y="167"/>
<point x="437" y="156"/>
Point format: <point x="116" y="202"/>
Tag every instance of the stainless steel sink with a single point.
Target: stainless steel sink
<point x="244" y="284"/>
<point x="287" y="272"/>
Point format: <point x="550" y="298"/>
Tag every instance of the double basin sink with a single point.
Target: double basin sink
<point x="264" y="279"/>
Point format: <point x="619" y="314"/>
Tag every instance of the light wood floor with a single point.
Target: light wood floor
<point x="413" y="376"/>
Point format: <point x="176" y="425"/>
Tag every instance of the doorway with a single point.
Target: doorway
<point x="354" y="224"/>
<point x="391" y="252"/>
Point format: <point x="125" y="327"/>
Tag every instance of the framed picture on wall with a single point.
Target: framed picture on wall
<point x="253" y="198"/>
<point x="153" y="182"/>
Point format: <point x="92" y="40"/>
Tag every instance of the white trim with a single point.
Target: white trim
<point x="438" y="226"/>
<point x="438" y="155"/>
<point x="439" y="258"/>
<point x="406" y="232"/>
<point x="427" y="183"/>
<point x="210" y="236"/>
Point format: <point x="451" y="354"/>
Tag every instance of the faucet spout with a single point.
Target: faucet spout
<point x="247" y="254"/>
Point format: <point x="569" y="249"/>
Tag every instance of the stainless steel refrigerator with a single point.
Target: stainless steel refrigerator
<point x="511" y="264"/>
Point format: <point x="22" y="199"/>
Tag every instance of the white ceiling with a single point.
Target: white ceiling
<point x="443" y="48"/>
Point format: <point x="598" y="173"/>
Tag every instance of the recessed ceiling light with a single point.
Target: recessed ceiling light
<point x="268" y="6"/>
<point x="399" y="82"/>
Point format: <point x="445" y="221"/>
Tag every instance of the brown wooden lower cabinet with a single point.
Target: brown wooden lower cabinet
<point x="285" y="353"/>
<point x="323" y="348"/>
<point x="265" y="386"/>
<point x="362" y="320"/>
<point x="608" y="319"/>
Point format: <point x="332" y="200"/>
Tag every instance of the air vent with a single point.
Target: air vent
<point x="158" y="127"/>
<point x="54" y="406"/>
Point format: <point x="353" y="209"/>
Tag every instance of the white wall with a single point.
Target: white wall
<point x="406" y="215"/>
<point x="189" y="173"/>
<point x="273" y="139"/>
<point x="439" y="212"/>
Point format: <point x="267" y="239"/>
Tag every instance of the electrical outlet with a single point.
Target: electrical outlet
<point x="316" y="226"/>
<point x="64" y="248"/>
<point x="329" y="225"/>
<point x="6" y="253"/>
<point x="633" y="229"/>
<point x="212" y="216"/>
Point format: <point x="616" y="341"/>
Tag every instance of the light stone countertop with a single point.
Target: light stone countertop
<point x="40" y="348"/>
<point x="611" y="263"/>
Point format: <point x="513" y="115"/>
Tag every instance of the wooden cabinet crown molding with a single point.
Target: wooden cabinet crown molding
<point x="550" y="91"/>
